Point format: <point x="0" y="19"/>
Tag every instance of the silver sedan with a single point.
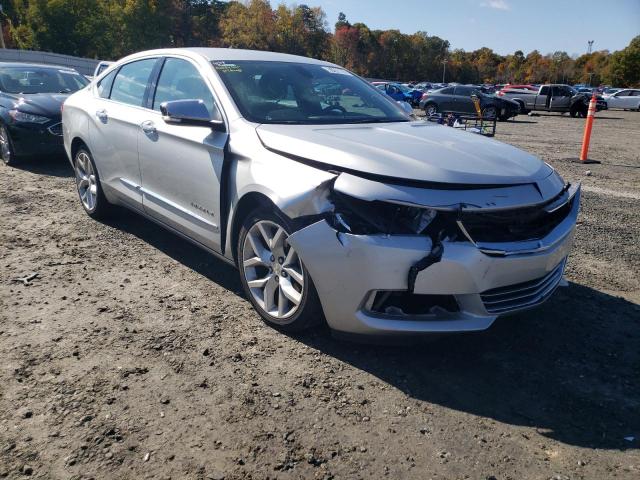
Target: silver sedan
<point x="334" y="204"/>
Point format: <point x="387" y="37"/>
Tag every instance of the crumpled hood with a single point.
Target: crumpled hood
<point x="408" y="150"/>
<point x="46" y="104"/>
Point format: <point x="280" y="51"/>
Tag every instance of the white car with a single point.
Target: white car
<point x="337" y="207"/>
<point x="628" y="99"/>
<point x="101" y="67"/>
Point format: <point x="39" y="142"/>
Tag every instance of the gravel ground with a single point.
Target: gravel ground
<point x="134" y="355"/>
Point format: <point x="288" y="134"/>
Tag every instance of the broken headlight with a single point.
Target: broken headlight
<point x="361" y="217"/>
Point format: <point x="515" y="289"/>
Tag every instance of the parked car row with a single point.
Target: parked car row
<point x="332" y="202"/>
<point x="459" y="99"/>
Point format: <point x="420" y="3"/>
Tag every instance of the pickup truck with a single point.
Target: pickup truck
<point x="553" y="98"/>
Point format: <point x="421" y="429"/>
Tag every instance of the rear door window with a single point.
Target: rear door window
<point x="130" y="83"/>
<point x="464" y="91"/>
<point x="544" y="91"/>
<point x="447" y="91"/>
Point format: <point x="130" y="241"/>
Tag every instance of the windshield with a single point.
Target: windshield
<point x="403" y="88"/>
<point x="306" y="94"/>
<point x="40" y="80"/>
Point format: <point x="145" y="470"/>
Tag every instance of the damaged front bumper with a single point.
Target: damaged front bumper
<point x="362" y="280"/>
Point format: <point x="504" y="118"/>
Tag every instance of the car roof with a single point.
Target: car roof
<point x="233" y="54"/>
<point x="34" y="65"/>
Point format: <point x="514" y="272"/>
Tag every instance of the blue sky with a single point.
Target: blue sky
<point x="503" y="25"/>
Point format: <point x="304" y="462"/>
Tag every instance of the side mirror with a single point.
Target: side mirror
<point x="191" y="112"/>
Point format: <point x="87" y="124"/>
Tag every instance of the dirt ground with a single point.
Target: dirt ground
<point x="134" y="355"/>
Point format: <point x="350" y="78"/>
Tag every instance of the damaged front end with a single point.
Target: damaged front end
<point x="393" y="258"/>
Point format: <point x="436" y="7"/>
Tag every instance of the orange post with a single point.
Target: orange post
<point x="586" y="138"/>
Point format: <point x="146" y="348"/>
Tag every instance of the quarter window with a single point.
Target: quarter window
<point x="180" y="80"/>
<point x="131" y="82"/>
<point x="104" y="86"/>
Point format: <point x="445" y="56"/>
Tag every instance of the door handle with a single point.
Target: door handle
<point x="148" y="127"/>
<point x="102" y="114"/>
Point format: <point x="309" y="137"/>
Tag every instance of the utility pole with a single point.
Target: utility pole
<point x="1" y="32"/>
<point x="444" y="68"/>
<point x="590" y="42"/>
<point x="590" y="77"/>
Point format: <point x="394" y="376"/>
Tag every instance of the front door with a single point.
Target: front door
<point x="621" y="99"/>
<point x="181" y="165"/>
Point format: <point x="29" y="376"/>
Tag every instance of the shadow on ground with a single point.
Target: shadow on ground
<point x="177" y="248"/>
<point x="54" y="166"/>
<point x="569" y="369"/>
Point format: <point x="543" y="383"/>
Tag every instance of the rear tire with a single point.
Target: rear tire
<point x="6" y="147"/>
<point x="88" y="185"/>
<point x="578" y="111"/>
<point x="273" y="277"/>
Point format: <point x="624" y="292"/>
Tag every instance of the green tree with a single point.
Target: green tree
<point x="249" y="26"/>
<point x="624" y="65"/>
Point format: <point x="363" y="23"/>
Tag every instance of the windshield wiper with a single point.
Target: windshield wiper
<point x="375" y="120"/>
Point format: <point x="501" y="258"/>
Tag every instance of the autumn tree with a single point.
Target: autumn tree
<point x="249" y="26"/>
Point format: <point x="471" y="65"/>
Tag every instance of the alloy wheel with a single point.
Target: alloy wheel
<point x="86" y="181"/>
<point x="431" y="110"/>
<point x="490" y="112"/>
<point x="272" y="270"/>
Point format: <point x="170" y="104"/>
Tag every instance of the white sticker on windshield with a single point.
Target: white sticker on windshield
<point x="336" y="70"/>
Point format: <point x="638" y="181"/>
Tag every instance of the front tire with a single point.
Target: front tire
<point x="88" y="185"/>
<point x="273" y="277"/>
<point x="490" y="112"/>
<point x="6" y="147"/>
<point x="430" y="109"/>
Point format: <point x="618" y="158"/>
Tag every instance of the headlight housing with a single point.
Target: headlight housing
<point x="361" y="217"/>
<point x="23" y="117"/>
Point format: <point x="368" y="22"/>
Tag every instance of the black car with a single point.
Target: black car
<point x="457" y="99"/>
<point x="31" y="98"/>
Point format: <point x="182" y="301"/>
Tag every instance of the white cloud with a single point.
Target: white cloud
<point x="496" y="4"/>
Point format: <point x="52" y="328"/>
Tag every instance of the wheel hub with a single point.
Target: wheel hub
<point x="272" y="270"/>
<point x="86" y="181"/>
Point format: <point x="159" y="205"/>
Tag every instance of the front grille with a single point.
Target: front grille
<point x="523" y="295"/>
<point x="529" y="223"/>
<point x="56" y="129"/>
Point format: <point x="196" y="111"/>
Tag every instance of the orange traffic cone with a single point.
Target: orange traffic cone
<point x="586" y="138"/>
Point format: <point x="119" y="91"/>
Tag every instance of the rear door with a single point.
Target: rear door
<point x="560" y="98"/>
<point x="181" y="165"/>
<point x="113" y="128"/>
<point x="462" y="100"/>
<point x="446" y="99"/>
<point x="542" y="99"/>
